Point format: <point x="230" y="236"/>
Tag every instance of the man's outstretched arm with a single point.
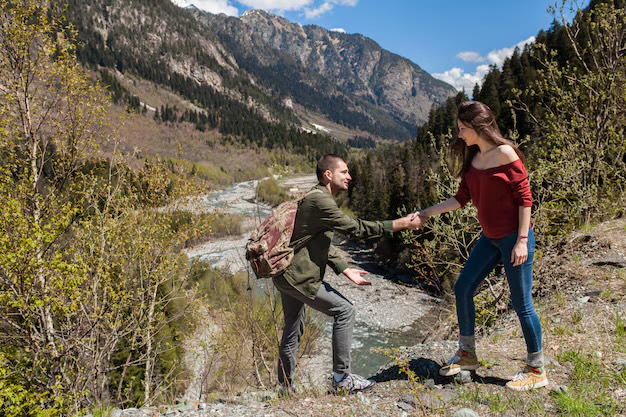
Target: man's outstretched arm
<point x="406" y="223"/>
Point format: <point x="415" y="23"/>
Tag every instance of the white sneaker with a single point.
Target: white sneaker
<point x="353" y="383"/>
<point x="529" y="378"/>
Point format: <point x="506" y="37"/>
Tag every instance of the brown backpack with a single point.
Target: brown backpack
<point x="268" y="249"/>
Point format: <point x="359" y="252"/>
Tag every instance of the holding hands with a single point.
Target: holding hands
<point x="411" y="221"/>
<point x="417" y="219"/>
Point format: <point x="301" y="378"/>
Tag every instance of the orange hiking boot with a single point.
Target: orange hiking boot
<point x="461" y="361"/>
<point x="529" y="378"/>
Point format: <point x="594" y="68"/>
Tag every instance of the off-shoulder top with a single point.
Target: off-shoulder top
<point x="498" y="193"/>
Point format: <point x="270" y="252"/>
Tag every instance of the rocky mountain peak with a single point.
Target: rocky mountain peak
<point x="356" y="63"/>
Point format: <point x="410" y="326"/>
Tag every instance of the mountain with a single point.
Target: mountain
<point x="344" y="66"/>
<point x="260" y="68"/>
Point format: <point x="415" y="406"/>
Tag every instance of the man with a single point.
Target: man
<point x="318" y="217"/>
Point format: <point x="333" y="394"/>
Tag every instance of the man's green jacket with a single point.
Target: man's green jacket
<point x="318" y="217"/>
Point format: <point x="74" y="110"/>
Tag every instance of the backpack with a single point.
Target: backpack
<point x="268" y="250"/>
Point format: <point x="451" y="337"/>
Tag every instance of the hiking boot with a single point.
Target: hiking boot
<point x="461" y="361"/>
<point x="529" y="378"/>
<point x="353" y="383"/>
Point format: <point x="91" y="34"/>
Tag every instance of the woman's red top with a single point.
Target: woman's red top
<point x="497" y="193"/>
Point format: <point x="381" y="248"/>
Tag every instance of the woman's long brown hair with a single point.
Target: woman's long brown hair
<point x="481" y="118"/>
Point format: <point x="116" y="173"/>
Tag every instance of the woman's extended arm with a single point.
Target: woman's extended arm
<point x="443" y="207"/>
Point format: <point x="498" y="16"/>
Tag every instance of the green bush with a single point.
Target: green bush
<point x="439" y="252"/>
<point x="226" y="225"/>
<point x="17" y="400"/>
<point x="219" y="288"/>
<point x="245" y="349"/>
<point x="271" y="192"/>
<point x="201" y="227"/>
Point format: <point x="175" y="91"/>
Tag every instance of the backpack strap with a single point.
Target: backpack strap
<point x="310" y="192"/>
<point x="304" y="240"/>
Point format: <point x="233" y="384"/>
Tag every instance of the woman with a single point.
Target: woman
<point x="493" y="177"/>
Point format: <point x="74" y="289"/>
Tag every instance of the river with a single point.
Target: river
<point x="388" y="314"/>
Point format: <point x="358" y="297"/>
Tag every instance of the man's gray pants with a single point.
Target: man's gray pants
<point x="328" y="301"/>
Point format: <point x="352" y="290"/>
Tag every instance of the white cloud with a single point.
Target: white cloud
<point x="457" y="78"/>
<point x="311" y="9"/>
<point x="318" y="11"/>
<point x="460" y="80"/>
<point x="327" y="6"/>
<point x="211" y="6"/>
<point x="470" y="56"/>
<point x="281" y="5"/>
<point x="340" y="30"/>
<point x="498" y="56"/>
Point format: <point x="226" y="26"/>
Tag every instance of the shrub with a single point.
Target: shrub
<point x="271" y="192"/>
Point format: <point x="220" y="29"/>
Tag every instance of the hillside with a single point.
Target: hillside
<point x="580" y="287"/>
<point x="99" y="304"/>
<point x="217" y="158"/>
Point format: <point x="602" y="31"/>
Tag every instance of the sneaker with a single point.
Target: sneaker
<point x="285" y="390"/>
<point x="529" y="378"/>
<point x="461" y="361"/>
<point x="353" y="383"/>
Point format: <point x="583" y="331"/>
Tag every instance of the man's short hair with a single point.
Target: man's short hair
<point x="327" y="162"/>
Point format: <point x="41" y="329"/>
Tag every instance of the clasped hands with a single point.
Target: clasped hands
<point x="415" y="220"/>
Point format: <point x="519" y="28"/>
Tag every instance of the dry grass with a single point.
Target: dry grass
<point x="141" y="136"/>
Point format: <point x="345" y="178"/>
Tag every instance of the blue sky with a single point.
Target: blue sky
<point x="454" y="40"/>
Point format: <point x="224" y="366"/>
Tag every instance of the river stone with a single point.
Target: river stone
<point x="560" y="389"/>
<point x="432" y="401"/>
<point x="363" y="398"/>
<point x="463" y="377"/>
<point x="583" y="300"/>
<point x="407" y="402"/>
<point x="429" y="384"/>
<point x="465" y="412"/>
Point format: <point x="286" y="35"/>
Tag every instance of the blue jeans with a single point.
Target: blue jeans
<point x="485" y="255"/>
